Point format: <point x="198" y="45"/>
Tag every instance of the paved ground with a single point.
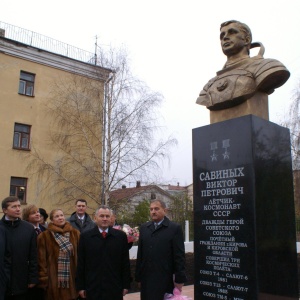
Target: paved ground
<point x="186" y="291"/>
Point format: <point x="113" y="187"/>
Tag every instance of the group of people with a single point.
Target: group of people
<point x="81" y="258"/>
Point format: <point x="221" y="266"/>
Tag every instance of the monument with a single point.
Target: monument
<point x="245" y="241"/>
<point x="243" y="85"/>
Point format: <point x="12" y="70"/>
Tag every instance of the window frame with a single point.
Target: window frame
<point x="153" y="195"/>
<point x="19" y="188"/>
<point x="22" y="137"/>
<point x="26" y="84"/>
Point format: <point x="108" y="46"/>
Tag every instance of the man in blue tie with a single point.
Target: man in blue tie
<point x="79" y="219"/>
<point x="161" y="256"/>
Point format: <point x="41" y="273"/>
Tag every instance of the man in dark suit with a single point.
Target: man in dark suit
<point x="161" y="256"/>
<point x="4" y="262"/>
<point x="22" y="245"/>
<point x="79" y="219"/>
<point x="103" y="269"/>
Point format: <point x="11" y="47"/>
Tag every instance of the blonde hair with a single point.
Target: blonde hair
<point x="53" y="211"/>
<point x="27" y="211"/>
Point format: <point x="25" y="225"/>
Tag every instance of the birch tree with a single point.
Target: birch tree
<point x="132" y="149"/>
<point x="292" y="121"/>
<point x="100" y="145"/>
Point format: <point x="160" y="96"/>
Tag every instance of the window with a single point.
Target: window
<point x="153" y="196"/>
<point x="18" y="187"/>
<point x="21" y="136"/>
<point x="26" y="84"/>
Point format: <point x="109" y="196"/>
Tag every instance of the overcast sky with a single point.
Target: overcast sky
<point x="174" y="47"/>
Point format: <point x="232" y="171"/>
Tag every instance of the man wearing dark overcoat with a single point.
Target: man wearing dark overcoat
<point x="161" y="255"/>
<point x="21" y="238"/>
<point x="4" y="262"/>
<point x="103" y="270"/>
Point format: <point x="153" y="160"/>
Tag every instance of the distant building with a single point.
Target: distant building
<point x="173" y="196"/>
<point x="135" y="195"/>
<point x="30" y="64"/>
<point x="190" y="192"/>
<point x="174" y="189"/>
<point x="177" y="190"/>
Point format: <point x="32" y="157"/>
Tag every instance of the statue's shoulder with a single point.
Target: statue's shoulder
<point x="270" y="74"/>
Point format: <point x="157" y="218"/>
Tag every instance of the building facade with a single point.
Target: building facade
<point x="31" y="78"/>
<point x="133" y="196"/>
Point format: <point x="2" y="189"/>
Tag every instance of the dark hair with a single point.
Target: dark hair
<point x="43" y="213"/>
<point x="162" y="203"/>
<point x="103" y="207"/>
<point x="7" y="200"/>
<point x="28" y="210"/>
<point x="81" y="200"/>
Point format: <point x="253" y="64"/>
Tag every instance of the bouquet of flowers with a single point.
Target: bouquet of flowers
<point x="176" y="295"/>
<point x="132" y="233"/>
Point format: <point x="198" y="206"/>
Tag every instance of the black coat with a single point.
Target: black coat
<point x="103" y="268"/>
<point x="43" y="228"/>
<point x="4" y="262"/>
<point x="22" y="244"/>
<point x="160" y="255"/>
<point x="77" y="224"/>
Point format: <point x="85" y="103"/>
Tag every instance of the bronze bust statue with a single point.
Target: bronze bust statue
<point x="242" y="76"/>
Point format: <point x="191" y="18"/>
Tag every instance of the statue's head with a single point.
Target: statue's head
<point x="235" y="36"/>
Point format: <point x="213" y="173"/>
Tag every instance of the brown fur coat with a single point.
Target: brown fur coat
<point x="48" y="251"/>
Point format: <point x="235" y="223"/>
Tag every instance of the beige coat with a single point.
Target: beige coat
<point x="48" y="251"/>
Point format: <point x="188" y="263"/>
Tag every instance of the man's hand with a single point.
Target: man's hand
<point x="179" y="286"/>
<point x="31" y="285"/>
<point x="82" y="294"/>
<point x="125" y="292"/>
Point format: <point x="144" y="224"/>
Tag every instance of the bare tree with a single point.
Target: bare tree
<point x="71" y="166"/>
<point x="293" y="123"/>
<point x="132" y="151"/>
<point x="100" y="144"/>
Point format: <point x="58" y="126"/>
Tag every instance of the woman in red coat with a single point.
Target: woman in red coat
<point x="57" y="255"/>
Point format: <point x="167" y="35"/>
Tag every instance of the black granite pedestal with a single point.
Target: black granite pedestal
<point x="245" y="240"/>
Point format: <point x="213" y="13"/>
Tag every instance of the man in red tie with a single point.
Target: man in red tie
<point x="103" y="269"/>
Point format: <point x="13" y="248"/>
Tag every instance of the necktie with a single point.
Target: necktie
<point x="38" y="230"/>
<point x="155" y="225"/>
<point x="104" y="233"/>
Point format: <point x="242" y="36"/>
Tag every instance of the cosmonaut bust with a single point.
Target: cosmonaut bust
<point x="242" y="76"/>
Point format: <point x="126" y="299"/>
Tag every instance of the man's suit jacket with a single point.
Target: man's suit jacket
<point x="4" y="262"/>
<point x="103" y="268"/>
<point x="161" y="255"/>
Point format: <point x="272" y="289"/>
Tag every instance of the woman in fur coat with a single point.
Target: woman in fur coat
<point x="57" y="256"/>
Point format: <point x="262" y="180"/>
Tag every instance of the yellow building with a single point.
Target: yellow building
<point x="33" y="70"/>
